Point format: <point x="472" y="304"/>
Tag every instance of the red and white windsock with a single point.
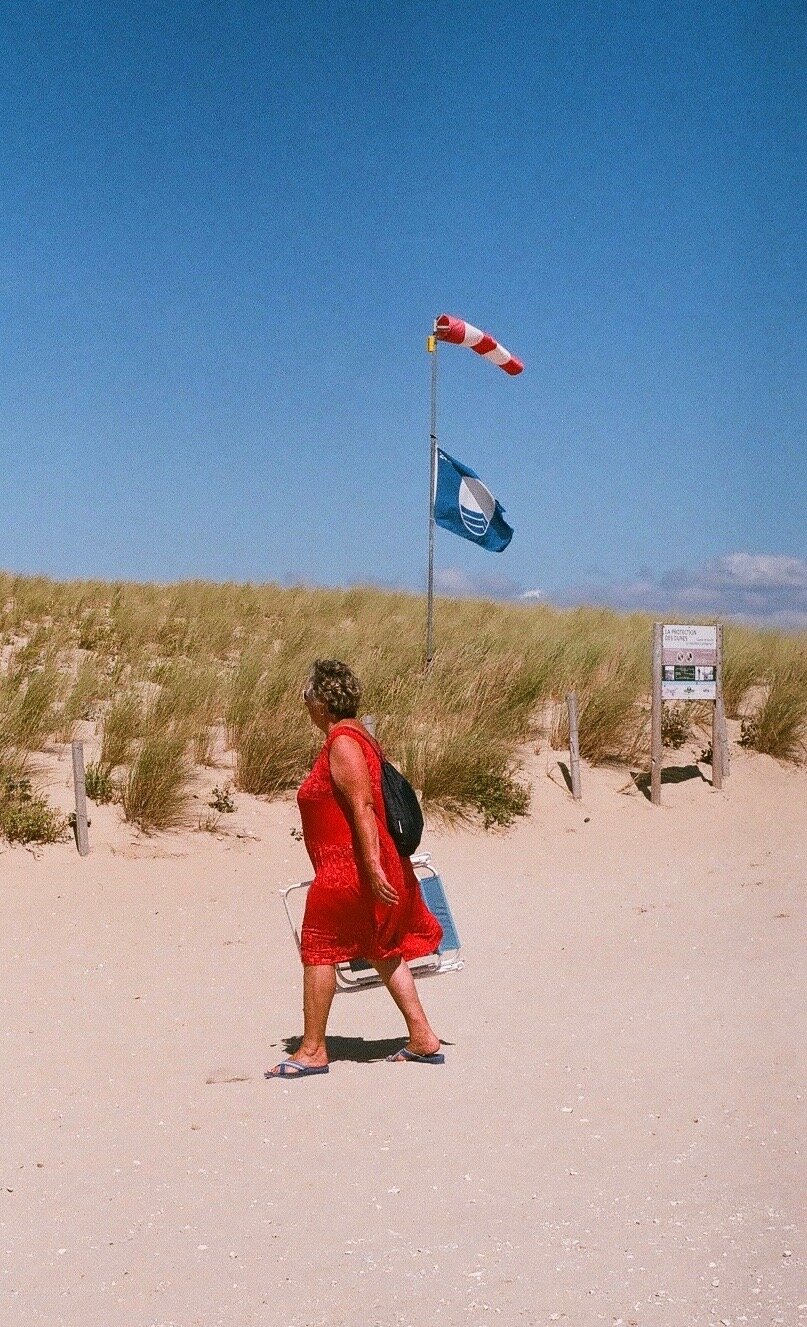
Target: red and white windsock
<point x="459" y="333"/>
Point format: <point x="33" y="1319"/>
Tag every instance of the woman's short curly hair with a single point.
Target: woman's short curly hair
<point x="337" y="686"/>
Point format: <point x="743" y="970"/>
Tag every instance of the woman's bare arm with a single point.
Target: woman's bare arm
<point x="352" y="781"/>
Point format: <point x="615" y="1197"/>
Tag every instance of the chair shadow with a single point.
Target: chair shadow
<point x="675" y="774"/>
<point x="356" y="1049"/>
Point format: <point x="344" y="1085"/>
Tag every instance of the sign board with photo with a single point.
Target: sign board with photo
<point x="689" y="663"/>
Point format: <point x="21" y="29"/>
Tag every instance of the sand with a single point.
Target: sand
<point x="617" y="1135"/>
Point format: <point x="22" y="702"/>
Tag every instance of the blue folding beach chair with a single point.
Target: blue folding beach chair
<point x="358" y="975"/>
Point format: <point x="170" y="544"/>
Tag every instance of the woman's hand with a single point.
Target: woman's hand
<point x="382" y="889"/>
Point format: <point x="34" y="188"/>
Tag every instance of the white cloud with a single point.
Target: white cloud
<point x="766" y="571"/>
<point x="767" y="588"/>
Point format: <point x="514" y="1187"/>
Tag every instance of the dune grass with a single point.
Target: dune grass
<point x="123" y="723"/>
<point x="779" y="727"/>
<point x="747" y="657"/>
<point x="156" y="793"/>
<point x="80" y="698"/>
<point x="170" y="674"/>
<point x="28" y="707"/>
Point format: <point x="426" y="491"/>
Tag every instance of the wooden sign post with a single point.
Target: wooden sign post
<point x="687" y="665"/>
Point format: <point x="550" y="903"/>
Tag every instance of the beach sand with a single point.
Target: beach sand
<point x="617" y="1136"/>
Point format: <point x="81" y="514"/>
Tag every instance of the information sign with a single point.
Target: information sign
<point x="689" y="663"/>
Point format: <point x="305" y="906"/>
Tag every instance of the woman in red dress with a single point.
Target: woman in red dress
<point x="365" y="901"/>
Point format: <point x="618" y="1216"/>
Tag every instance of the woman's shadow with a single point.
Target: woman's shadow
<point x="357" y="1049"/>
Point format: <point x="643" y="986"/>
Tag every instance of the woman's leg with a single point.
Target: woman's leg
<point x="319" y="986"/>
<point x="401" y="985"/>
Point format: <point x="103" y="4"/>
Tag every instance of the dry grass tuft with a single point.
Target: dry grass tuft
<point x="156" y="793"/>
<point x="273" y="750"/>
<point x="28" y="704"/>
<point x="123" y="724"/>
<point x="79" y="703"/>
<point x="779" y="727"/>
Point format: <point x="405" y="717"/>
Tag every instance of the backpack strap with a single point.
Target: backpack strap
<point x="344" y="731"/>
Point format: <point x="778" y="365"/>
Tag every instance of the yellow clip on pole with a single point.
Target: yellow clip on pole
<point x="431" y="344"/>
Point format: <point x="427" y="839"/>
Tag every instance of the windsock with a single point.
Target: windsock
<point x="459" y="333"/>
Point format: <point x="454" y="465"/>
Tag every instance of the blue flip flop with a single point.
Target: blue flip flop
<point x="403" y="1054"/>
<point x="293" y="1069"/>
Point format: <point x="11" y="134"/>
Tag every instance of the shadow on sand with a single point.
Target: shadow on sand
<point x="675" y="774"/>
<point x="357" y="1049"/>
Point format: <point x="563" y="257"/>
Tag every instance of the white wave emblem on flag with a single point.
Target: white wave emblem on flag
<point x="477" y="505"/>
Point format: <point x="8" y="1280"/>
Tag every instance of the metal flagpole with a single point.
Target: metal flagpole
<point x="432" y="348"/>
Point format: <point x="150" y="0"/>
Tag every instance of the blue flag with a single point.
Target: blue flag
<point x="463" y="505"/>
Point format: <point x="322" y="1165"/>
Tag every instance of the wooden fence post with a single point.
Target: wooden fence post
<point x="79" y="788"/>
<point x="655" y="718"/>
<point x="574" y="745"/>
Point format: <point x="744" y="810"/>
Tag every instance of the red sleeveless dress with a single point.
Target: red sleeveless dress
<point x="343" y="919"/>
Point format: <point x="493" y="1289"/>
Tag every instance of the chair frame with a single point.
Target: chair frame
<point x="349" y="979"/>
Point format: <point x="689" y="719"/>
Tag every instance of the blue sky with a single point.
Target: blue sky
<point x="227" y="230"/>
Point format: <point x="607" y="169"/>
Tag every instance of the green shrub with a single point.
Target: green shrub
<point x="101" y="787"/>
<point x="26" y="816"/>
<point x="675" y="726"/>
<point x="221" y="800"/>
<point x="499" y="799"/>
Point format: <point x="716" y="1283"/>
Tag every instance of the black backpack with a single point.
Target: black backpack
<point x="401" y="805"/>
<point x="404" y="816"/>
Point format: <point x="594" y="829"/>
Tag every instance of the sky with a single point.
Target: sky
<point x="225" y="234"/>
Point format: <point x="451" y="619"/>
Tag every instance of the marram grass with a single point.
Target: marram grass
<point x="156" y="793"/>
<point x="779" y="726"/>
<point x="170" y="674"/>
